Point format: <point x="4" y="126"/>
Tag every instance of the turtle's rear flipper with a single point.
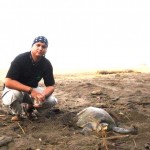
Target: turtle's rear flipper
<point x="132" y="130"/>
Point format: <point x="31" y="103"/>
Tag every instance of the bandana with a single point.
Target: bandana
<point x="40" y="39"/>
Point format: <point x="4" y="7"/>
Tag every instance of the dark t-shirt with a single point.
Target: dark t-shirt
<point x="24" y="70"/>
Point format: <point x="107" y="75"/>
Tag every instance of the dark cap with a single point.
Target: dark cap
<point x="40" y="39"/>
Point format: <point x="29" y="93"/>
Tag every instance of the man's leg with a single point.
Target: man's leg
<point x="17" y="103"/>
<point x="50" y="101"/>
<point x="12" y="99"/>
<point x="44" y="107"/>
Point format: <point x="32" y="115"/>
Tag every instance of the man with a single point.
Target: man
<point x="23" y="76"/>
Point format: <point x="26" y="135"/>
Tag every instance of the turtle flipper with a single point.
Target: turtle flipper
<point x="90" y="126"/>
<point x="132" y="130"/>
<point x="85" y="130"/>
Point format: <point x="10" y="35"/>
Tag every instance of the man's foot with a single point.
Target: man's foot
<point x="16" y="118"/>
<point x="29" y="111"/>
<point x="32" y="115"/>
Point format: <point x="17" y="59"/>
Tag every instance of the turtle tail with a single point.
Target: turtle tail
<point x="132" y="130"/>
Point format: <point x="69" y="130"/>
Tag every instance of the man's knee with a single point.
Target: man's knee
<point x="10" y="96"/>
<point x="50" y="101"/>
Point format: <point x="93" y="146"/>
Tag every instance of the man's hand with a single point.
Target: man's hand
<point x="37" y="96"/>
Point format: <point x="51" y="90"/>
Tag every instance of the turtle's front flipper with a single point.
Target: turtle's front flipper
<point x="85" y="130"/>
<point x="132" y="130"/>
<point x="88" y="128"/>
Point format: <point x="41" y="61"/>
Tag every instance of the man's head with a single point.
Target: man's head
<point x="39" y="46"/>
<point x="41" y="39"/>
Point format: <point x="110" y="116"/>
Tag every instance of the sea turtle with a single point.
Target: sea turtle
<point x="93" y="118"/>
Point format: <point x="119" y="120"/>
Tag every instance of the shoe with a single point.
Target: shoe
<point x="16" y="118"/>
<point x="27" y="109"/>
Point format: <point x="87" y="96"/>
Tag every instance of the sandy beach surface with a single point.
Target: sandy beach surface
<point x="124" y="94"/>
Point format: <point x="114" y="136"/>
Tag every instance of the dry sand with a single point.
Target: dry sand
<point x="125" y="94"/>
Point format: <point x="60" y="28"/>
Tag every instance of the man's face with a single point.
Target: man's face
<point x="39" y="49"/>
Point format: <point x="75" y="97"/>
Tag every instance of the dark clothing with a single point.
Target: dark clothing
<point x="24" y="70"/>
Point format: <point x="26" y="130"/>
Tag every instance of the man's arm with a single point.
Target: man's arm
<point x="48" y="91"/>
<point x="42" y="96"/>
<point x="14" y="84"/>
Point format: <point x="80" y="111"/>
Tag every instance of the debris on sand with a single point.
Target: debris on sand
<point x="4" y="140"/>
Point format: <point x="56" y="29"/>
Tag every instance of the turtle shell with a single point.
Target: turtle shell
<point x="94" y="116"/>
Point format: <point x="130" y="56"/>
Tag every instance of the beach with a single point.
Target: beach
<point x="124" y="94"/>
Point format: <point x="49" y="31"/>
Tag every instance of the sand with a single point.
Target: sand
<point x="124" y="94"/>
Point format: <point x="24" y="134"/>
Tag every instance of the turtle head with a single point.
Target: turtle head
<point x="102" y="126"/>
